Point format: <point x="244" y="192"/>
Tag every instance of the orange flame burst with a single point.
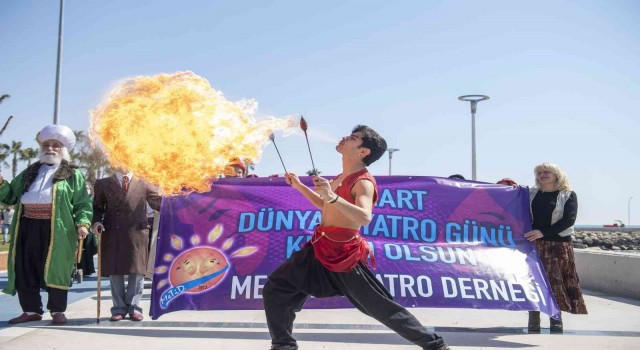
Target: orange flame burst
<point x="176" y="131"/>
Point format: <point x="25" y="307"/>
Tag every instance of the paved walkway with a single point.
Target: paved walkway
<point x="613" y="323"/>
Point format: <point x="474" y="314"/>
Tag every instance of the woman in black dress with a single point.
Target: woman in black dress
<point x="554" y="207"/>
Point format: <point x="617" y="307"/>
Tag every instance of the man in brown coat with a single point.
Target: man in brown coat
<point x="120" y="203"/>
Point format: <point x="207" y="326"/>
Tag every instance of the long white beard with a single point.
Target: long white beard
<point x="54" y="158"/>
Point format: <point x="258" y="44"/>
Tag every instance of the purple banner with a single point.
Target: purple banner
<point x="437" y="242"/>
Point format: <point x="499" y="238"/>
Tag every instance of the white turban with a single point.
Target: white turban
<point x="60" y="133"/>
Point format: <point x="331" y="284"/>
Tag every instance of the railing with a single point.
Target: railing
<point x="607" y="229"/>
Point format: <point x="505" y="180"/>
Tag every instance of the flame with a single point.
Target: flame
<point x="244" y="251"/>
<point x="227" y="244"/>
<point x="215" y="233"/>
<point x="176" y="242"/>
<point x="176" y="131"/>
<point x="161" y="284"/>
<point x="168" y="257"/>
<point x="195" y="240"/>
<point x="161" y="269"/>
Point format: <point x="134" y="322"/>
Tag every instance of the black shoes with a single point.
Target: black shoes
<point x="534" y="322"/>
<point x="556" y="326"/>
<point x="283" y="347"/>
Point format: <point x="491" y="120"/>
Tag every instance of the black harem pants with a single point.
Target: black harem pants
<point x="302" y="275"/>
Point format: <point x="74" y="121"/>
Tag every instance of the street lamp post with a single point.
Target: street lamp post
<point x="629" y="211"/>
<point x="391" y="150"/>
<point x="57" y="92"/>
<point x="474" y="99"/>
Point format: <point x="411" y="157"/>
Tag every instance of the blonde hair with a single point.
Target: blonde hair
<point x="562" y="182"/>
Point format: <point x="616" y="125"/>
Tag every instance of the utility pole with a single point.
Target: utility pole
<point x="57" y="92"/>
<point x="474" y="99"/>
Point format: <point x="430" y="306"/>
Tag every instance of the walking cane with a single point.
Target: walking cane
<point x="78" y="272"/>
<point x="100" y="231"/>
<point x="75" y="276"/>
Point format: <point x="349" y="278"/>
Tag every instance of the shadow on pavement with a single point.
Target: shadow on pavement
<point x="475" y="339"/>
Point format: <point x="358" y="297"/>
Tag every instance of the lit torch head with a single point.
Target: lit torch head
<point x="176" y="131"/>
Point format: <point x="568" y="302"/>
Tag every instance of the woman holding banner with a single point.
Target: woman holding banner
<point x="554" y="207"/>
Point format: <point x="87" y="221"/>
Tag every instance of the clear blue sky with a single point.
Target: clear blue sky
<point x="563" y="77"/>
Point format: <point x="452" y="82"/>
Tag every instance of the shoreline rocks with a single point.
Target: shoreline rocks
<point x="613" y="241"/>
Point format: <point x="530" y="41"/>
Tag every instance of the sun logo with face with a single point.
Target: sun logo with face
<point x="199" y="268"/>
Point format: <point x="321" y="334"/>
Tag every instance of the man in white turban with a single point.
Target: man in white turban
<point x="52" y="211"/>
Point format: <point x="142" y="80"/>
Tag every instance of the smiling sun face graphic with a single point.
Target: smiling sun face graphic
<point x="195" y="263"/>
<point x="201" y="267"/>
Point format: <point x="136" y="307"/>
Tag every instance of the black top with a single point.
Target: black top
<point x="542" y="208"/>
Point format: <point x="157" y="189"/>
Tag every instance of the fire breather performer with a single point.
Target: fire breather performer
<point x="334" y="262"/>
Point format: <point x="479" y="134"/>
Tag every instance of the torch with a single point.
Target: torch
<point x="273" y="139"/>
<point x="304" y="126"/>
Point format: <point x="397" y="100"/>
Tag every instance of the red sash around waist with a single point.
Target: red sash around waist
<point x="38" y="211"/>
<point x="340" y="249"/>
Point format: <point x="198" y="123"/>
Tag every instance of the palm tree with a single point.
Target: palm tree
<point x="15" y="150"/>
<point x="29" y="154"/>
<point x="81" y="138"/>
<point x="2" y="97"/>
<point x="4" y="153"/>
<point x="95" y="163"/>
<point x="89" y="158"/>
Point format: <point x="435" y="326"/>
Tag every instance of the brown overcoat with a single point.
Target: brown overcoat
<point x="124" y="243"/>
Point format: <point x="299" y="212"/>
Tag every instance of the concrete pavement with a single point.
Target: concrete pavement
<point x="613" y="323"/>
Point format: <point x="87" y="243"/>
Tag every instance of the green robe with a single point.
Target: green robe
<point x="71" y="208"/>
